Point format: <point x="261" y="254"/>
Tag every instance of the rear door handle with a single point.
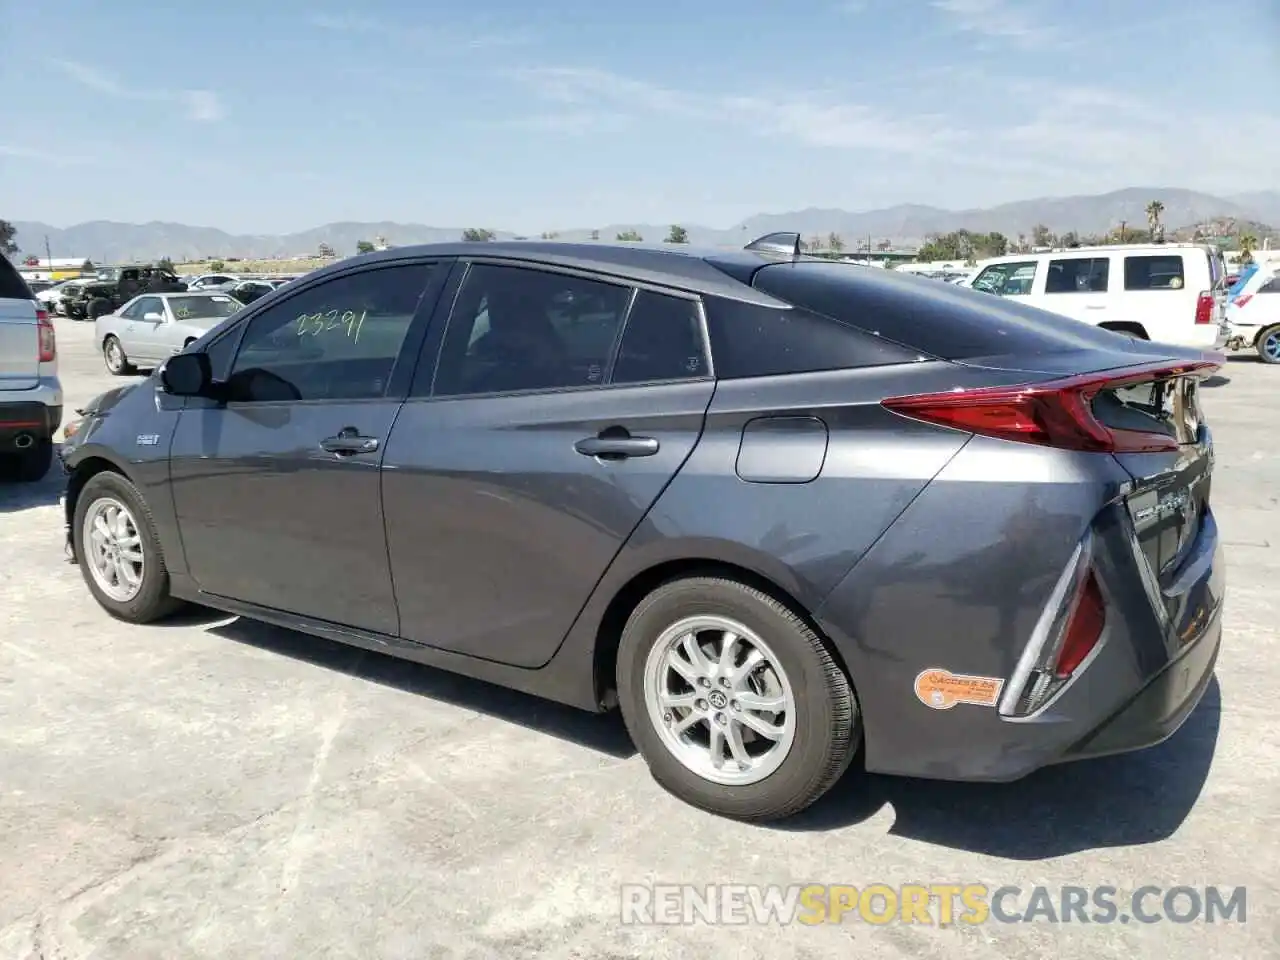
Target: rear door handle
<point x="617" y="448"/>
<point x="349" y="442"/>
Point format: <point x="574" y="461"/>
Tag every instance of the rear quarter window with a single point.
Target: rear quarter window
<point x="1007" y="279"/>
<point x="1155" y="272"/>
<point x="752" y="340"/>
<point x="937" y="319"/>
<point x="12" y="286"/>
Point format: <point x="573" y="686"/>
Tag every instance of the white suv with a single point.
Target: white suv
<point x="30" y="392"/>
<point x="1168" y="292"/>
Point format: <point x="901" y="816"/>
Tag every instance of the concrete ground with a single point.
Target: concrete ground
<point x="212" y="788"/>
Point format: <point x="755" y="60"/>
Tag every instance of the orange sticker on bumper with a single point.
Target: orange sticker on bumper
<point x="942" y="689"/>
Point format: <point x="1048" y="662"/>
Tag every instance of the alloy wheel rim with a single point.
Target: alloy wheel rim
<point x="113" y="549"/>
<point x="1272" y="346"/>
<point x="720" y="700"/>
<point x="114" y="357"/>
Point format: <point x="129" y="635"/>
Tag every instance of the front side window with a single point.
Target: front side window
<point x="1078" y="275"/>
<point x="1007" y="279"/>
<point x="335" y="341"/>
<point x="662" y="341"/>
<point x="1161" y="272"/>
<point x="145" y="306"/>
<point x="515" y="328"/>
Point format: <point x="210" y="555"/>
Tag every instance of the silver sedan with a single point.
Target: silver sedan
<point x="152" y="327"/>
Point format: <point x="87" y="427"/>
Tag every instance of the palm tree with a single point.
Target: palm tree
<point x="1247" y="243"/>
<point x="1154" y="209"/>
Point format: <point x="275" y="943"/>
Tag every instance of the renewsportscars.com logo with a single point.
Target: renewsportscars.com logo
<point x="929" y="904"/>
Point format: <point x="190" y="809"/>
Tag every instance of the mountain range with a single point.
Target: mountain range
<point x="110" y="242"/>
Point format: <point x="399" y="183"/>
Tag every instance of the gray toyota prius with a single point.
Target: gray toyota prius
<point x="780" y="511"/>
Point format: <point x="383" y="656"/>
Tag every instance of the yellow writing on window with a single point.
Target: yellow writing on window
<point x="347" y="321"/>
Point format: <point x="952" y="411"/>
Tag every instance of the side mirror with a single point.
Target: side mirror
<point x="153" y="317"/>
<point x="187" y="375"/>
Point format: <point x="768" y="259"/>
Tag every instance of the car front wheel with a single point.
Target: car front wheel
<point x="736" y="704"/>
<point x="1268" y="344"/>
<point x="118" y="551"/>
<point x="114" y="355"/>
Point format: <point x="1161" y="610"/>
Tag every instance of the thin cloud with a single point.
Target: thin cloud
<point x="1000" y="20"/>
<point x="434" y="36"/>
<point x="56" y="158"/>
<point x="201" y="106"/>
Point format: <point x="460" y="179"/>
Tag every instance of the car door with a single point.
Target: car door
<point x="1076" y="287"/>
<point x="514" y="477"/>
<point x="142" y="330"/>
<point x="276" y="489"/>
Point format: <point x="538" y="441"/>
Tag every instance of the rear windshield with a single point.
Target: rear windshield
<point x="12" y="286"/>
<point x="938" y="319"/>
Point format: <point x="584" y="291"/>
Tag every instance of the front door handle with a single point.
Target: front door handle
<point x="617" y="447"/>
<point x="349" y="442"/>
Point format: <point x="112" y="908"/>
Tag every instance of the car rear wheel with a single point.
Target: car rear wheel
<point x="115" y="543"/>
<point x="113" y="353"/>
<point x="1268" y="344"/>
<point x="736" y="704"/>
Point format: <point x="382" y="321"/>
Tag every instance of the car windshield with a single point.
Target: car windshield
<point x="202" y="308"/>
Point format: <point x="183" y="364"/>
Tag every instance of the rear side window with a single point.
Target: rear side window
<point x="1007" y="279"/>
<point x="662" y="341"/>
<point x="938" y="319"/>
<point x="12" y="286"/>
<point x="752" y="340"/>
<point x="1077" y="275"/>
<point x="1160" y="272"/>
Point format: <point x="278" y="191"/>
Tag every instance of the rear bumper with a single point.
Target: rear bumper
<point x="1160" y="708"/>
<point x="30" y="415"/>
<point x="921" y="602"/>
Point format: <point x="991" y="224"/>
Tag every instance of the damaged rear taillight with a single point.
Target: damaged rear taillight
<point x="1071" y="627"/>
<point x="1057" y="413"/>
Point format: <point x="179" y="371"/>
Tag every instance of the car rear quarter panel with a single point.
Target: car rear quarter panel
<point x="958" y="583"/>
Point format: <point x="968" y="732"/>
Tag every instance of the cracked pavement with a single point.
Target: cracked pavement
<point x="212" y="788"/>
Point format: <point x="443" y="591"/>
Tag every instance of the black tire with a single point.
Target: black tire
<point x="1260" y="345"/>
<point x="153" y="600"/>
<point x="96" y="308"/>
<point x="32" y="464"/>
<point x="827" y="724"/>
<point x="122" y="369"/>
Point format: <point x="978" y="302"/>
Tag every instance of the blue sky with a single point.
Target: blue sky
<point x="276" y="117"/>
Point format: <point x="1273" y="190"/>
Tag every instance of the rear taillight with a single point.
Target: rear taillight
<point x="1204" y="307"/>
<point x="1241" y="300"/>
<point x="1084" y="628"/>
<point x="1053" y="414"/>
<point x="48" y="342"/>
<point x="1071" y="627"/>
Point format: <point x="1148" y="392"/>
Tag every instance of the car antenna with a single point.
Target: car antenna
<point x="786" y="244"/>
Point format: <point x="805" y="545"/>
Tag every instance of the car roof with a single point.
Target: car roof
<point x="711" y="271"/>
<point x="1132" y="248"/>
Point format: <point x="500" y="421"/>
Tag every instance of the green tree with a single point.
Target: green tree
<point x="364" y="246"/>
<point x="7" y="232"/>
<point x="1042" y="236"/>
<point x="217" y="266"/>
<point x="1247" y="243"/>
<point x="835" y="243"/>
<point x="814" y="244"/>
<point x="1154" y="209"/>
<point x="550" y="235"/>
<point x="1070" y="240"/>
<point x="630" y="236"/>
<point x="164" y="263"/>
<point x="477" y="235"/>
<point x="677" y="234"/>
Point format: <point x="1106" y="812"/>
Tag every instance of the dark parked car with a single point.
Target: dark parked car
<point x="772" y="507"/>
